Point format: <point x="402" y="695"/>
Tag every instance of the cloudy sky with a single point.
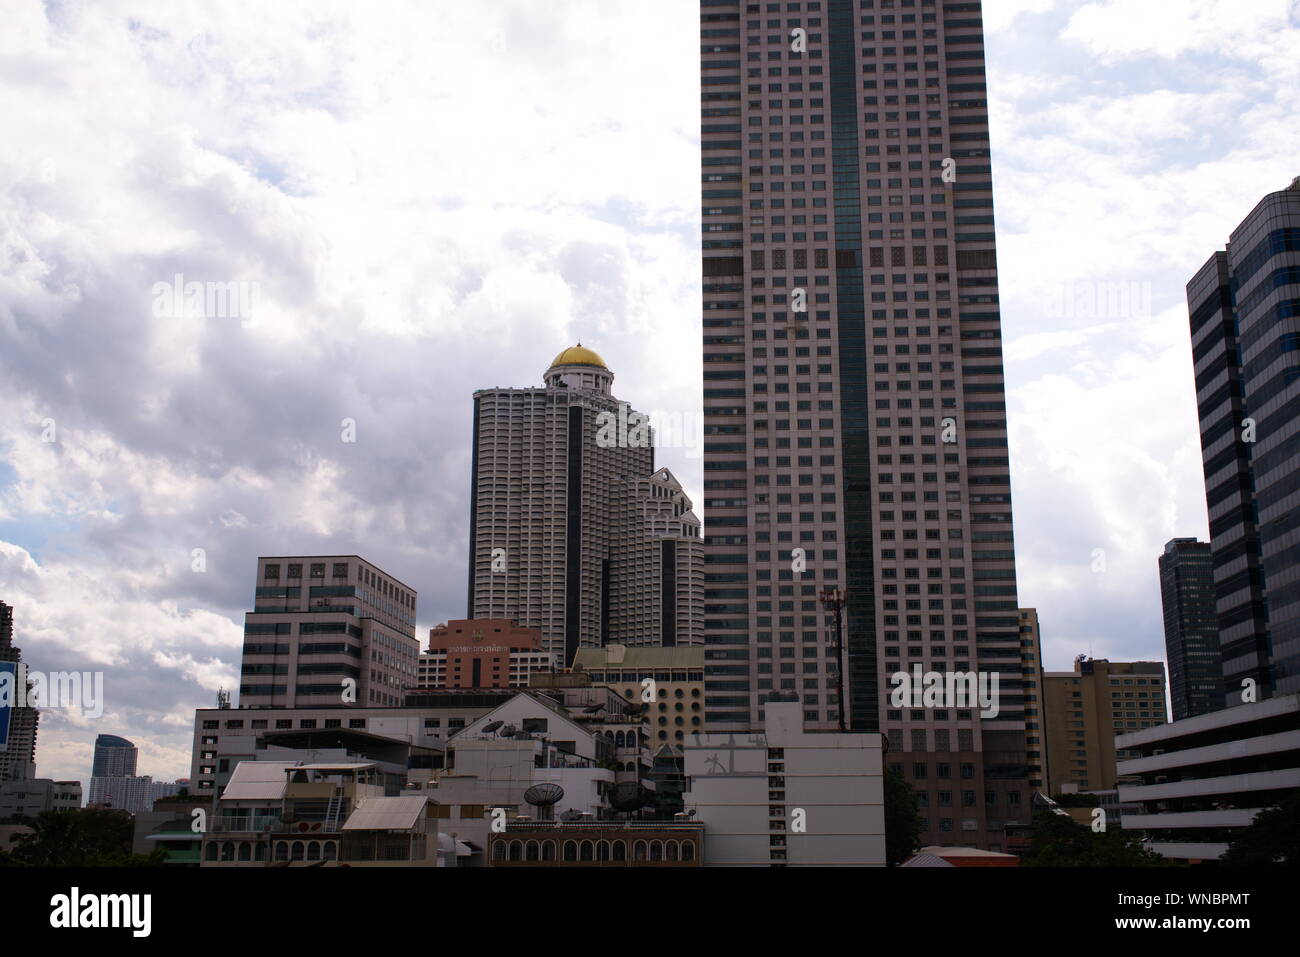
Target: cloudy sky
<point x="425" y="198"/>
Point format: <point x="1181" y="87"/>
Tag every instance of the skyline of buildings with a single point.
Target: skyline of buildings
<point x="643" y="579"/>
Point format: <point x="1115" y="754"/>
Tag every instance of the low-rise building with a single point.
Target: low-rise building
<point x="1201" y="779"/>
<point x="28" y="798"/>
<point x="786" y="796"/>
<point x="584" y="741"/>
<point x="324" y="814"/>
<point x="598" y="844"/>
<point x="482" y="653"/>
<point x="677" y="673"/>
<point x="225" y="736"/>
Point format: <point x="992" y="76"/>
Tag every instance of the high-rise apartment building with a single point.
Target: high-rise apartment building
<point x="18" y="754"/>
<point x="1245" y="323"/>
<point x="572" y="530"/>
<point x="855" y="414"/>
<point x="1031" y="667"/>
<point x="1086" y="709"/>
<point x="328" y="631"/>
<point x="115" y="757"/>
<point x="1191" y="628"/>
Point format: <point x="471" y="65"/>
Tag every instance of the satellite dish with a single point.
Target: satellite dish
<point x="628" y="796"/>
<point x="508" y="731"/>
<point x="571" y="815"/>
<point x="492" y="726"/>
<point x="544" y="795"/>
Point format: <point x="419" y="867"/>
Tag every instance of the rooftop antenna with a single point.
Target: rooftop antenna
<point x="223" y="699"/>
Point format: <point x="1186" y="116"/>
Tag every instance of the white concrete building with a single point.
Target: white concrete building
<point x="787" y="796"/>
<point x="1204" y="777"/>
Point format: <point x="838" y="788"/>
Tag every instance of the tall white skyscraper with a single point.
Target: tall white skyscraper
<point x="573" y="530"/>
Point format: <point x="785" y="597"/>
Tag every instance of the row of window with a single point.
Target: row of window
<point x="545" y="850"/>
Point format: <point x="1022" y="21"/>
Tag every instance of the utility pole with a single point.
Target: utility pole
<point x="834" y="600"/>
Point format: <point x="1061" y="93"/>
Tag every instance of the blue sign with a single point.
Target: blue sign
<point x="9" y="682"/>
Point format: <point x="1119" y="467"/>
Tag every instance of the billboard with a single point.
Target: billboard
<point x="8" y="697"/>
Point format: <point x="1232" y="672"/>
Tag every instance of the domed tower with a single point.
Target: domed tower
<point x="559" y="539"/>
<point x="580" y="368"/>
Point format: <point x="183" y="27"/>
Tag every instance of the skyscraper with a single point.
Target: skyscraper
<point x="572" y="530"/>
<point x="1191" y="628"/>
<point x="114" y="757"/>
<point x="1245" y="323"/>
<point x="328" y="631"/>
<point x="855" y="415"/>
<point x="18" y="755"/>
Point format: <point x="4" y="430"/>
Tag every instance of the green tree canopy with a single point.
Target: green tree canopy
<point x="1058" y="841"/>
<point x="902" y="819"/>
<point x="1272" y="839"/>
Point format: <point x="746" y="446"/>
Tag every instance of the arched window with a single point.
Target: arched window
<point x="331" y="851"/>
<point x="499" y="851"/>
<point x="259" y="852"/>
<point x="618" y="740"/>
<point x="245" y="851"/>
<point x="313" y="851"/>
<point x="282" y="851"/>
<point x="620" y="851"/>
<point x="516" y="850"/>
<point x="638" y="851"/>
<point x="210" y="852"/>
<point x="587" y="851"/>
<point x="670" y="851"/>
<point x="570" y="851"/>
<point x="532" y="851"/>
<point x="548" y="850"/>
<point x="656" y="851"/>
<point x="602" y="851"/>
<point x="688" y="850"/>
<point x="296" y="852"/>
<point x="228" y="850"/>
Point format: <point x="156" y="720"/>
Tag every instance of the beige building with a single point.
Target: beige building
<point x="573" y="531"/>
<point x="678" y="675"/>
<point x="1087" y="708"/>
<point x="328" y="631"/>
<point x="1031" y="661"/>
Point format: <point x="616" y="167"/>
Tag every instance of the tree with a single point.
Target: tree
<point x="89" y="837"/>
<point x="1272" y="839"/>
<point x="902" y="819"/>
<point x="1058" y="841"/>
<point x="1076" y="800"/>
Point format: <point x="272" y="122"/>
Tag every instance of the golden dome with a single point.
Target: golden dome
<point x="579" y="356"/>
